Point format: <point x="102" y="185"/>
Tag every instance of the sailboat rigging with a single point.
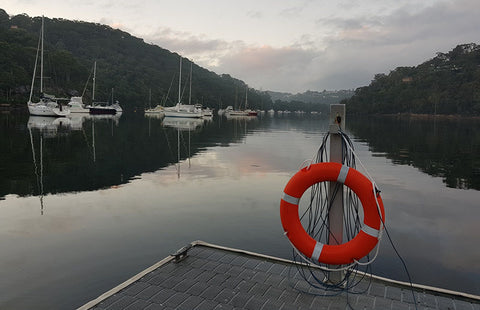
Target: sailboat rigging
<point x="47" y="105"/>
<point x="183" y="110"/>
<point x="96" y="108"/>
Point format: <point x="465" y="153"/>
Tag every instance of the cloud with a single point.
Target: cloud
<point x="201" y="49"/>
<point x="361" y="47"/>
<point x="346" y="52"/>
<point x="296" y="10"/>
<point x="267" y="67"/>
<point x="255" y="14"/>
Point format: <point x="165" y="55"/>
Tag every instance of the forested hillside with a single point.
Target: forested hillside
<point x="447" y="84"/>
<point x="125" y="64"/>
<point x="311" y="96"/>
<point x="308" y="101"/>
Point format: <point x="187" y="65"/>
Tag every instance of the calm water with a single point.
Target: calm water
<point x="86" y="203"/>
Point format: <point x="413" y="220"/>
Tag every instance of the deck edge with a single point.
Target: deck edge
<point x="126" y="283"/>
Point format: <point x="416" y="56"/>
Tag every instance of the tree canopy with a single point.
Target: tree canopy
<point x="446" y="84"/>
<point x="125" y="64"/>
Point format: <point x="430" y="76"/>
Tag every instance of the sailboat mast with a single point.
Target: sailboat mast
<point x="236" y="97"/>
<point x="94" y="76"/>
<point x="41" y="59"/>
<point x="246" y="95"/>
<point x="180" y="80"/>
<point x="190" y="94"/>
<point x="150" y="98"/>
<point x="35" y="68"/>
<point x="178" y="152"/>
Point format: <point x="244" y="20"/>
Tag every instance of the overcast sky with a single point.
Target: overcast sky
<point x="285" y="45"/>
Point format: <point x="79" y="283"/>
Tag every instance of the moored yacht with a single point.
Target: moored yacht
<point x="47" y="105"/>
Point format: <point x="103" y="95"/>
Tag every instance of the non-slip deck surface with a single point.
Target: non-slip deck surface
<point x="213" y="278"/>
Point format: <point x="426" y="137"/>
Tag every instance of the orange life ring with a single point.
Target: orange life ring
<point x="340" y="254"/>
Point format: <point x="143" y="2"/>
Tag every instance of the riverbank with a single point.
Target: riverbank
<point x="431" y="116"/>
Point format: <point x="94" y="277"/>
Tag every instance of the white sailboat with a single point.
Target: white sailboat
<point x="47" y="105"/>
<point x="116" y="105"/>
<point x="249" y="112"/>
<point x="158" y="109"/>
<point x="230" y="111"/>
<point x="183" y="110"/>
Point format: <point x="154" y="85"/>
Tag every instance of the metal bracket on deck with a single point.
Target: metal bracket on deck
<point x="181" y="254"/>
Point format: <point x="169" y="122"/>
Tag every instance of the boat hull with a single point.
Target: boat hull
<point x="39" y="109"/>
<point x="102" y="110"/>
<point x="237" y="113"/>
<point x="184" y="114"/>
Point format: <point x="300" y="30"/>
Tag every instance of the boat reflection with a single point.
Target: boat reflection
<point x="48" y="126"/>
<point x="159" y="115"/>
<point x="38" y="170"/>
<point x="77" y="119"/>
<point x="240" y="124"/>
<point x="182" y="123"/>
<point x="45" y="128"/>
<point x="43" y="131"/>
<point x="241" y="117"/>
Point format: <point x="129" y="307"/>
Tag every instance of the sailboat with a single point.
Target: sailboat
<point x="183" y="110"/>
<point x="158" y="109"/>
<point x="240" y="112"/>
<point x="95" y="108"/>
<point x="116" y="105"/>
<point x="249" y="111"/>
<point x="47" y="105"/>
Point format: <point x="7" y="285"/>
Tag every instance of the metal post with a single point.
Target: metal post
<point x="335" y="214"/>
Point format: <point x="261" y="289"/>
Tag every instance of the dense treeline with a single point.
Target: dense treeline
<point x="447" y="84"/>
<point x="324" y="97"/>
<point x="295" y="105"/>
<point x="125" y="64"/>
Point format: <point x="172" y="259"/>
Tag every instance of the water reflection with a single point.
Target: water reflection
<point x="89" y="152"/>
<point x="77" y="119"/>
<point x="183" y="123"/>
<point x="86" y="152"/>
<point x="446" y="148"/>
<point x="48" y="126"/>
<point x="39" y="176"/>
<point x="49" y="139"/>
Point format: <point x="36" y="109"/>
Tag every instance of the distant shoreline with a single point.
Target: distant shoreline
<point x="431" y="116"/>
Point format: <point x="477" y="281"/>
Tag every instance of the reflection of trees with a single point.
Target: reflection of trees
<point x="122" y="151"/>
<point x="446" y="148"/>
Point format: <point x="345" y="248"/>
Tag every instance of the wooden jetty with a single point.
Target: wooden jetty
<point x="204" y="276"/>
